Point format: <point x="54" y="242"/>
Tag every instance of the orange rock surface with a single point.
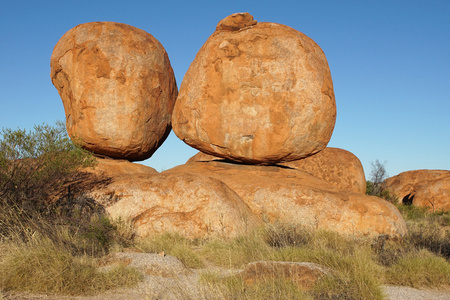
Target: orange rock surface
<point x="193" y="205"/>
<point x="336" y="166"/>
<point x="258" y="93"/>
<point x="434" y="195"/>
<point x="116" y="167"/>
<point x="279" y="194"/>
<point x="117" y="87"/>
<point x="405" y="185"/>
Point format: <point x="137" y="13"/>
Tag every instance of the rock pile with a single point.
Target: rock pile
<point x="257" y="100"/>
<point x="117" y="87"/>
<point x="424" y="188"/>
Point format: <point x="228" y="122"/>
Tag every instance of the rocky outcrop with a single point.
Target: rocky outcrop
<point x="336" y="166"/>
<point x="193" y="205"/>
<point x="257" y="93"/>
<point x="279" y="194"/>
<point x="303" y="274"/>
<point x="404" y="186"/>
<point x="117" y="87"/>
<point x="434" y="195"/>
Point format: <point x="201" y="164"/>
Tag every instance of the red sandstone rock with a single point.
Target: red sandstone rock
<point x="114" y="168"/>
<point x="336" y="166"/>
<point x="304" y="274"/>
<point x="200" y="156"/>
<point x="405" y="185"/>
<point x="256" y="93"/>
<point x="236" y="21"/>
<point x="193" y="205"/>
<point x="117" y="87"/>
<point x="435" y="195"/>
<point x="292" y="196"/>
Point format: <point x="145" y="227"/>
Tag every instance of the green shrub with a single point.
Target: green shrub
<point x="34" y="164"/>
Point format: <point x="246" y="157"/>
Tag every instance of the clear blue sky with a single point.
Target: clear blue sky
<point x="390" y="63"/>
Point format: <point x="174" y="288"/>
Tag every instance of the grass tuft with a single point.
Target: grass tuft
<point x="41" y="266"/>
<point x="420" y="269"/>
<point x="172" y="244"/>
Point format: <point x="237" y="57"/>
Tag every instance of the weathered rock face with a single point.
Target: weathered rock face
<point x="200" y="156"/>
<point x="256" y="93"/>
<point x="405" y="185"/>
<point x="193" y="205"/>
<point x="435" y="195"/>
<point x="336" y="166"/>
<point x="117" y="87"/>
<point x="113" y="168"/>
<point x="294" y="196"/>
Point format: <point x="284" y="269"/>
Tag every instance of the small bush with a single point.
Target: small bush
<point x="235" y="288"/>
<point x="287" y="235"/>
<point x="237" y="252"/>
<point x="34" y="164"/>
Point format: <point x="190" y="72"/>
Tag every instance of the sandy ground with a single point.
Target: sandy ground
<point x="408" y="293"/>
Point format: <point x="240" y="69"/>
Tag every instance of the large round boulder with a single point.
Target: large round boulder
<point x="117" y="87"/>
<point x="257" y="93"/>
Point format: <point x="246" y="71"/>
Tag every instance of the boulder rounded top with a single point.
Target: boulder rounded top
<point x="117" y="86"/>
<point x="236" y="21"/>
<point x="258" y="93"/>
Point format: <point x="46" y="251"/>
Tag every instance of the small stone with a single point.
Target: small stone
<point x="236" y="21"/>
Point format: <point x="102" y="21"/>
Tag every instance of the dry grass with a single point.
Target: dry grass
<point x="58" y="260"/>
<point x="175" y="245"/>
<point x="420" y="269"/>
<point x="41" y="266"/>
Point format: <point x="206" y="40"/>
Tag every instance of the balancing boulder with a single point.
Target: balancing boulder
<point x="257" y="93"/>
<point x="117" y="87"/>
